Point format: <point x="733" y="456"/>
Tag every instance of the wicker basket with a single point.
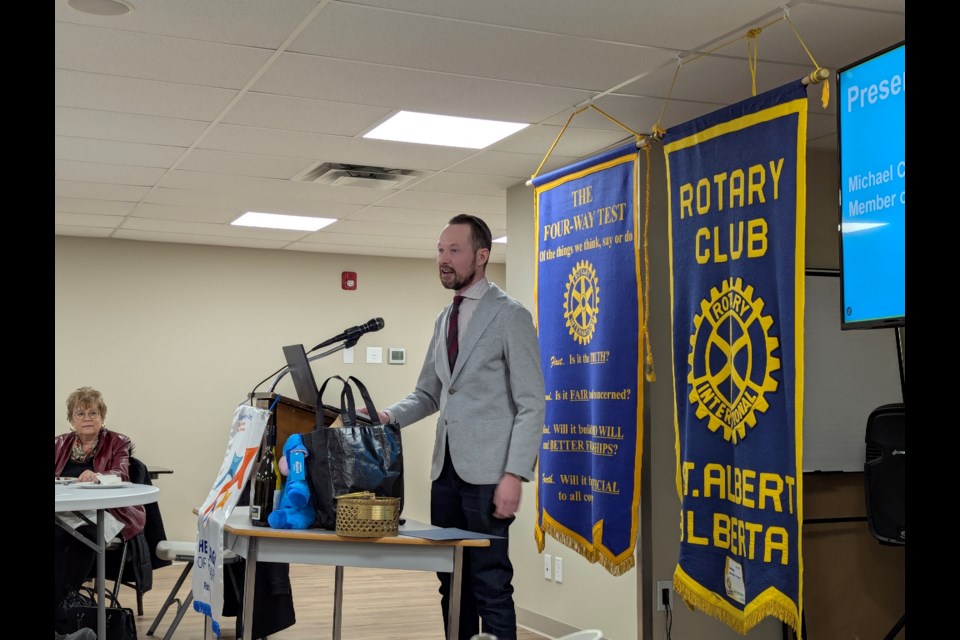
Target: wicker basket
<point x="366" y="515"/>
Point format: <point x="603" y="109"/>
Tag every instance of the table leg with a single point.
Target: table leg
<point x="249" y="585"/>
<point x="453" y="608"/>
<point x="337" y="602"/>
<point x="101" y="578"/>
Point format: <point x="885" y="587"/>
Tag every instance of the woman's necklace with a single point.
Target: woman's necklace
<point x="81" y="451"/>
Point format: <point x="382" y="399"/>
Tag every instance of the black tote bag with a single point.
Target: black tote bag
<point x="79" y="609"/>
<point x="361" y="455"/>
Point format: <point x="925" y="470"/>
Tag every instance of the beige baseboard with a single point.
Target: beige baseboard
<point x="543" y="625"/>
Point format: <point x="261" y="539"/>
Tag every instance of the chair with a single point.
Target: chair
<point x="131" y="562"/>
<point x="885" y="479"/>
<point x="179" y="551"/>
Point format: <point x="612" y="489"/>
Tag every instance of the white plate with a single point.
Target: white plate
<point x="93" y="485"/>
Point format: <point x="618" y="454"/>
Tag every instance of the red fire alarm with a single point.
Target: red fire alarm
<point x="348" y="280"/>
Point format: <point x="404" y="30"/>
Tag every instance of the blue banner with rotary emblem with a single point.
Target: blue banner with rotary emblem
<point x="589" y="322"/>
<point x="737" y="200"/>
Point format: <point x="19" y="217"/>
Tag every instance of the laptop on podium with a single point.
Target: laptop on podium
<point x="303" y="381"/>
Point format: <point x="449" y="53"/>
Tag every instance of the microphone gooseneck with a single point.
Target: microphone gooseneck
<point x="352" y="335"/>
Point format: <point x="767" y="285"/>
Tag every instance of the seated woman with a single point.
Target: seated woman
<point x="88" y="449"/>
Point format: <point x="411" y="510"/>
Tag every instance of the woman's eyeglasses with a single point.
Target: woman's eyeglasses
<point x="92" y="413"/>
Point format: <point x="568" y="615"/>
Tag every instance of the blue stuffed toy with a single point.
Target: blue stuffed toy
<point x="296" y="509"/>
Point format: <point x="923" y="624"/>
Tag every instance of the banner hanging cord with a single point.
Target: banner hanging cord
<point x="753" y="52"/>
<point x="818" y="75"/>
<point x="638" y="136"/>
<point x="648" y="368"/>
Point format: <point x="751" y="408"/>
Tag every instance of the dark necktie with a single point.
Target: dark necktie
<point x="453" y="331"/>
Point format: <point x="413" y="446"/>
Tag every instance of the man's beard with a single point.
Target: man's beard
<point x="459" y="283"/>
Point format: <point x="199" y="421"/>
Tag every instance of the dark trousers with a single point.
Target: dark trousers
<point x="72" y="560"/>
<point x="486" y="591"/>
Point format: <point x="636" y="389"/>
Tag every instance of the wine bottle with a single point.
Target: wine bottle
<point x="265" y="482"/>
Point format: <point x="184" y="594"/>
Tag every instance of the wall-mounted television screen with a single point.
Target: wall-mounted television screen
<point x="873" y="195"/>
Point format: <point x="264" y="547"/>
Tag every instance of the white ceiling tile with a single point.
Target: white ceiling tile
<point x="426" y="220"/>
<point x="474" y="49"/>
<point x="206" y="229"/>
<point x="825" y="31"/>
<point x="246" y="202"/>
<point x="465" y="183"/>
<point x="151" y="57"/>
<point x="218" y="103"/>
<point x="351" y="197"/>
<point x="133" y="95"/>
<point x="386" y="233"/>
<point x="289" y="113"/>
<point x="189" y="214"/>
<point x="415" y="90"/>
<point x="326" y="148"/>
<point x="126" y="127"/>
<point x="248" y="22"/>
<point x="667" y="24"/>
<point x="106" y="173"/>
<point x="112" y="152"/>
<point x="243" y="164"/>
<point x="516" y="165"/>
<point x="98" y="190"/>
<point x="478" y="205"/>
<point x="82" y="231"/>
<point x="186" y="238"/>
<point x="361" y="249"/>
<point x="86" y="220"/>
<point x="86" y="205"/>
<point x="574" y="143"/>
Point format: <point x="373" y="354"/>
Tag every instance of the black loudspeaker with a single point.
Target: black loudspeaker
<point x="885" y="474"/>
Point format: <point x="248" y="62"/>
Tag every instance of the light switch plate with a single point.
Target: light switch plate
<point x="375" y="355"/>
<point x="348" y="356"/>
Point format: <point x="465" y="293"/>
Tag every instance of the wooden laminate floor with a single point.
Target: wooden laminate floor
<point x="377" y="605"/>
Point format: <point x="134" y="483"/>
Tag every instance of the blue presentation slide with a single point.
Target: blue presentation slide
<point x="872" y="187"/>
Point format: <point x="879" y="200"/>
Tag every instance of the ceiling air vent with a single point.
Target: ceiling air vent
<point x="356" y="175"/>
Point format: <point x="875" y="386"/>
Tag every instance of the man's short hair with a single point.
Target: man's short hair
<point x="479" y="231"/>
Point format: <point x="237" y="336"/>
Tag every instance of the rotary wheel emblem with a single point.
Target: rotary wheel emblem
<point x="731" y="360"/>
<point x="581" y="302"/>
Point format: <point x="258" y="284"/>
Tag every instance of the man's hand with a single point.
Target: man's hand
<point x="506" y="498"/>
<point x="383" y="416"/>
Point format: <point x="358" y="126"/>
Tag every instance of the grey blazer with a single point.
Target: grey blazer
<point x="492" y="404"/>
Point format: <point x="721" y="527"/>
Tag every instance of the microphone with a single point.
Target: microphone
<point x="353" y="334"/>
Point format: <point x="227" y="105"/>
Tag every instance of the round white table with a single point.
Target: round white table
<point x="78" y="497"/>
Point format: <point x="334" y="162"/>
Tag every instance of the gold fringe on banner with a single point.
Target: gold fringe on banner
<point x="590" y="554"/>
<point x="771" y="603"/>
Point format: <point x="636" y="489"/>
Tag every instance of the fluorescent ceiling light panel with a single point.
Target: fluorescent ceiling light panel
<point x="502" y="240"/>
<point x="447" y="131"/>
<point x="279" y="221"/>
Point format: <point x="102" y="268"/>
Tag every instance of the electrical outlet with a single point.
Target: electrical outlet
<point x="664" y="595"/>
<point x="547" y="567"/>
<point x="557" y="569"/>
